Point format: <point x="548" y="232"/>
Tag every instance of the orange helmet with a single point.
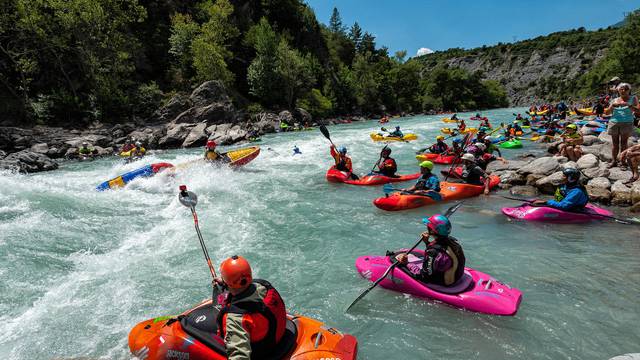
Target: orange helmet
<point x="236" y="272"/>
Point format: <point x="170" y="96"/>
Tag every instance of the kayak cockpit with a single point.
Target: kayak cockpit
<point x="463" y="284"/>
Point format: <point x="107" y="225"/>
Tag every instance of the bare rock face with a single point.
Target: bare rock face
<point x="600" y="171"/>
<point x="28" y="162"/>
<point x="286" y="117"/>
<point x="197" y="136"/>
<point x="620" y="194"/>
<point x="511" y="177"/>
<point x="209" y="92"/>
<point x="41" y="148"/>
<point x="174" y="107"/>
<point x="265" y="122"/>
<point x="541" y="166"/>
<point x="616" y="174"/>
<point x="590" y="140"/>
<point x="500" y="166"/>
<point x="549" y="183"/>
<point x="175" y="135"/>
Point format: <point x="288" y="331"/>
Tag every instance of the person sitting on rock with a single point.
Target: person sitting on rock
<point x="138" y="151"/>
<point x="570" y="196"/>
<point x="571" y="141"/>
<point x="631" y="156"/>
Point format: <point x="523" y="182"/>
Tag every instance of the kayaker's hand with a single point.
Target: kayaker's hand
<point x="425" y="236"/>
<point x="402" y="258"/>
<point x="486" y="191"/>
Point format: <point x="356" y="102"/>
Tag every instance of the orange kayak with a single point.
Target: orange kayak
<point x="192" y="335"/>
<point x="337" y="176"/>
<point x="449" y="191"/>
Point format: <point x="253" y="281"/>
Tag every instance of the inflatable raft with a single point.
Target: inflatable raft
<point x="122" y="180"/>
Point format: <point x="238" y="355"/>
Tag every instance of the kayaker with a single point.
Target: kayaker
<point x="85" y="151"/>
<point x="485" y="123"/>
<point x="454" y="117"/>
<point x="491" y="147"/>
<point x="519" y="117"/>
<point x="571" y="141"/>
<point x="621" y="122"/>
<point x="138" y="151"/>
<point x="440" y="147"/>
<point x="253" y="316"/>
<point x="517" y="129"/>
<point x="210" y="152"/>
<point x="343" y="162"/>
<point x="570" y="196"/>
<point x="128" y="146"/>
<point x="444" y="258"/>
<point x="427" y="182"/>
<point x="456" y="148"/>
<point x="473" y="174"/>
<point x="462" y="126"/>
<point x="396" y="133"/>
<point x="481" y="134"/>
<point x="296" y="150"/>
<point x="478" y="149"/>
<point x="387" y="165"/>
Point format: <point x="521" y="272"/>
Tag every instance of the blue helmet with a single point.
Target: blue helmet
<point x="343" y="150"/>
<point x="397" y="127"/>
<point x="457" y="140"/>
<point x="438" y="225"/>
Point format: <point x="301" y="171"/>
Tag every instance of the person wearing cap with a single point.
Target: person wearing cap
<point x="491" y="147"/>
<point x="571" y="141"/>
<point x="570" y="196"/>
<point x="343" y="161"/>
<point x="473" y="174"/>
<point x="440" y="147"/>
<point x="210" y="152"/>
<point x="252" y="318"/>
<point x="427" y="181"/>
<point x="138" y="151"/>
<point x="613" y="85"/>
<point x="387" y="166"/>
<point x="444" y="259"/>
<point x="621" y="122"/>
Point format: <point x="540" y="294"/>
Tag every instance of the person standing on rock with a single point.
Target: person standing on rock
<point x="621" y="122"/>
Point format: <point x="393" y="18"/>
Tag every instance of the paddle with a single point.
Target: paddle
<point x="388" y="189"/>
<point x="616" y="219"/>
<point x="325" y="132"/>
<point x="466" y="143"/>
<point x="379" y="158"/>
<point x="442" y="153"/>
<point x="447" y="214"/>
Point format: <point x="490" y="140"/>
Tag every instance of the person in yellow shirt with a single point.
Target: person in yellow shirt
<point x="210" y="152"/>
<point x="571" y="141"/>
<point x="138" y="151"/>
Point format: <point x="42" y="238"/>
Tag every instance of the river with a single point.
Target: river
<point x="79" y="268"/>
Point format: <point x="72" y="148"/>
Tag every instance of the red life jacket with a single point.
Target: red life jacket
<point x="272" y="308"/>
<point x="389" y="165"/>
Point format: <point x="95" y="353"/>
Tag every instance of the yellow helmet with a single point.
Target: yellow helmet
<point x="439" y="137"/>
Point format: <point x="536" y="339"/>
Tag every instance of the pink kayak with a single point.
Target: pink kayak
<point x="553" y="215"/>
<point x="475" y="291"/>
<point x="334" y="175"/>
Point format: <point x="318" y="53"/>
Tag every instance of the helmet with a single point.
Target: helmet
<point x="468" y="157"/>
<point x="397" y="127"/>
<point x="343" y="150"/>
<point x="84" y="143"/>
<point x="427" y="164"/>
<point x="439" y="137"/>
<point x="572" y="126"/>
<point x="488" y="138"/>
<point x="438" y="225"/>
<point x="211" y="144"/>
<point x="236" y="272"/>
<point x="486" y="157"/>
<point x="572" y="175"/>
<point x="457" y="141"/>
<point x="386" y="150"/>
<point x="480" y="146"/>
<point x="138" y="144"/>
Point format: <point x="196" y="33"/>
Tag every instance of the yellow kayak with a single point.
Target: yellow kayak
<point x="467" y="130"/>
<point x="406" y="137"/>
<point x="447" y="120"/>
<point x="234" y="158"/>
<point x="125" y="153"/>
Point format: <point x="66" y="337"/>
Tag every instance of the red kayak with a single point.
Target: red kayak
<point x="438" y="158"/>
<point x="338" y="176"/>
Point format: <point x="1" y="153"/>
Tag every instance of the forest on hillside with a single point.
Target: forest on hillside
<point x="71" y="62"/>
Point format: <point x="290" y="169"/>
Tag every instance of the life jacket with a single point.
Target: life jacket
<point x="389" y="166"/>
<point x="561" y="192"/>
<point x="439" y="147"/>
<point x="421" y="184"/>
<point x="211" y="155"/>
<point x="271" y="307"/>
<point x="458" y="260"/>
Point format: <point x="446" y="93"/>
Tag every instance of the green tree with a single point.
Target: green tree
<point x="262" y="74"/>
<point x="295" y="72"/>
<point x="335" y="23"/>
<point x="355" y="35"/>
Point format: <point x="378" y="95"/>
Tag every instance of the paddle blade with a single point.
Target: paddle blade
<point x="453" y="209"/>
<point x="372" y="286"/>
<point x="388" y="188"/>
<point x="325" y="132"/>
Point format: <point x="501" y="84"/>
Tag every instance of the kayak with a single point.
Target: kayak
<point x="438" y="158"/>
<point x="193" y="335"/>
<point x="475" y="291"/>
<point x="122" y="180"/>
<point x="538" y="113"/>
<point x="553" y="215"/>
<point x="448" y="190"/>
<point x="478" y="118"/>
<point x="447" y="120"/>
<point x="406" y="137"/>
<point x="338" y="176"/>
<point x="467" y="130"/>
<point x="511" y="144"/>
<point x="253" y="140"/>
<point x="242" y="156"/>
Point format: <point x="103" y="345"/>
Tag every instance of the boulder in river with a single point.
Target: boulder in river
<point x="598" y="190"/>
<point x="526" y="191"/>
<point x="620" y="194"/>
<point x="196" y="137"/>
<point x="28" y="162"/>
<point x="548" y="184"/>
<point x="541" y="166"/>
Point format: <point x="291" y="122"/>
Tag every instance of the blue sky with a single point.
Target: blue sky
<point x="439" y="25"/>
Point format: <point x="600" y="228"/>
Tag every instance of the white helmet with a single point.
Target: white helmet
<point x="138" y="144"/>
<point x="481" y="146"/>
<point x="84" y="143"/>
<point x="468" y="157"/>
<point x="488" y="138"/>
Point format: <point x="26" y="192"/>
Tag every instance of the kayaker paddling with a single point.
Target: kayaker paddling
<point x="444" y="259"/>
<point x="473" y="174"/>
<point x="427" y="182"/>
<point x="343" y="161"/>
<point x="440" y="147"/>
<point x="570" y="196"/>
<point x="387" y="165"/>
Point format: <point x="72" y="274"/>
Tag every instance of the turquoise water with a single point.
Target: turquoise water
<point x="78" y="268"/>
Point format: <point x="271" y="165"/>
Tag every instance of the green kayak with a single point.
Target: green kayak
<point x="511" y="144"/>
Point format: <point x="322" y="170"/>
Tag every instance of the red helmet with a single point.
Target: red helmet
<point x="236" y="272"/>
<point x="211" y="144"/>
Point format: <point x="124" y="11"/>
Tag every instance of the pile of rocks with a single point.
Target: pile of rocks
<point x="544" y="174"/>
